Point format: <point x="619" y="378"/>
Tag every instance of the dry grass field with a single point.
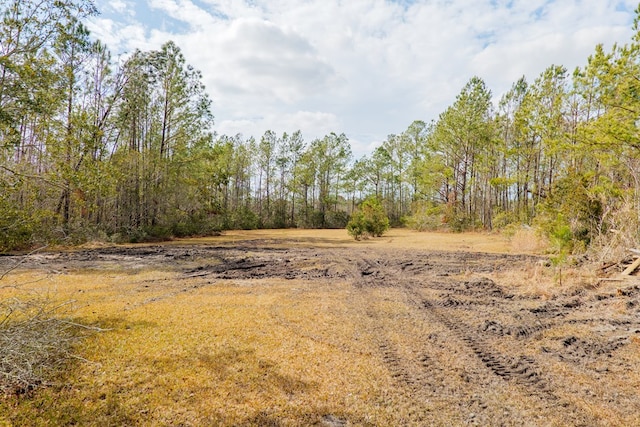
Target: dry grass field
<point x="299" y="327"/>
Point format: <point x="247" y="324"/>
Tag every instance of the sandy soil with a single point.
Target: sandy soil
<point x="488" y="353"/>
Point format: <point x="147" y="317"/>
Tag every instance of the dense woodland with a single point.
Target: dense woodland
<point x="125" y="150"/>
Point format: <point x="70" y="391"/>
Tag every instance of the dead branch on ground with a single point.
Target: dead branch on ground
<point x="36" y="339"/>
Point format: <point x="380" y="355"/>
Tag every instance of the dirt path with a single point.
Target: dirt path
<point x="465" y="348"/>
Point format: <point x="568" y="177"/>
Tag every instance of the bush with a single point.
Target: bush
<point x="459" y="221"/>
<point x="241" y="218"/>
<point x="571" y="217"/>
<point x="369" y="220"/>
<point x="504" y="220"/>
<point x="150" y="233"/>
<point x="426" y="216"/>
<point x="310" y="218"/>
<point x="21" y="230"/>
<point x="356" y="227"/>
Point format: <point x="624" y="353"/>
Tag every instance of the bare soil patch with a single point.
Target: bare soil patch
<point x="455" y="344"/>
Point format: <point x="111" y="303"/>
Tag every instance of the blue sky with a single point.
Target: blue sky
<point x="367" y="68"/>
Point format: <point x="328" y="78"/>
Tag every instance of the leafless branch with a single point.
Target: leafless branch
<point x="35" y="341"/>
<point x="2" y="276"/>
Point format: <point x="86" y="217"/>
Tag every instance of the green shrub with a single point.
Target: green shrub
<point x="505" y="219"/>
<point x="356" y="226"/>
<point x="310" y="218"/>
<point x="369" y="220"/>
<point x="571" y="215"/>
<point x="458" y="220"/>
<point x="22" y="230"/>
<point x="426" y="216"/>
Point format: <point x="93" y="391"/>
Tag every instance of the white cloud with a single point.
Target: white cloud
<point x="262" y="59"/>
<point x="313" y="124"/>
<point x="118" y="36"/>
<point x="364" y="67"/>
<point x="234" y="9"/>
<point x="316" y="123"/>
<point x="185" y="11"/>
<point x="564" y="33"/>
<point x="119" y="6"/>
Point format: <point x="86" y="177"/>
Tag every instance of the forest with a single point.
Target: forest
<point x="94" y="148"/>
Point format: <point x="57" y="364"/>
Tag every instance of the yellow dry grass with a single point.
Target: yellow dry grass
<point x="397" y="238"/>
<point x="179" y="351"/>
<point x="527" y="240"/>
<point x="176" y="352"/>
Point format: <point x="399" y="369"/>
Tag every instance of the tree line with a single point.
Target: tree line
<point x="123" y="150"/>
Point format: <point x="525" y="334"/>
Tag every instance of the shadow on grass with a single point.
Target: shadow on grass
<point x="58" y="401"/>
<point x="264" y="374"/>
<point x="59" y="406"/>
<point x="109" y="324"/>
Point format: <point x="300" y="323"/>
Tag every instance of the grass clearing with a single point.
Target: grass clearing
<point x="180" y="346"/>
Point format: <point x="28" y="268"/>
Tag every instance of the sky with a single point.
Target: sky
<point x="366" y="68"/>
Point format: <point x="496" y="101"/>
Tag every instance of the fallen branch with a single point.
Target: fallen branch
<point x="608" y="265"/>
<point x="90" y="328"/>
<point x="632" y="267"/>
<point x="35" y="339"/>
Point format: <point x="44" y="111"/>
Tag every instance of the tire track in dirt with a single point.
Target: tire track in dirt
<point x="495" y="344"/>
<point x="416" y="372"/>
<point x="425" y="373"/>
<point x="521" y="370"/>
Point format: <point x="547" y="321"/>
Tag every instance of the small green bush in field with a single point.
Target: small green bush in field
<point x="369" y="220"/>
<point x="356" y="226"/>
